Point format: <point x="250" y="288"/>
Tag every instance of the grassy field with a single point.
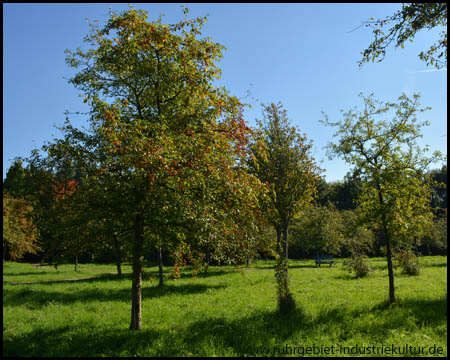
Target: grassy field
<point x="226" y="312"/>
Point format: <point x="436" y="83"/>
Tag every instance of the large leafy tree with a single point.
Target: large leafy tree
<point x="167" y="143"/>
<point x="282" y="160"/>
<point x="403" y="26"/>
<point x="392" y="166"/>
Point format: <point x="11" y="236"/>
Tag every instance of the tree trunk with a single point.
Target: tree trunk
<point x="117" y="253"/>
<point x="285" y="241"/>
<point x="207" y="258"/>
<point x="161" y="278"/>
<point x="136" y="286"/>
<point x="279" y="245"/>
<point x="390" y="269"/>
<point x="387" y="239"/>
<point x="76" y="262"/>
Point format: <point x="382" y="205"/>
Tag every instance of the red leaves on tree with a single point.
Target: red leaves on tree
<point x="65" y="188"/>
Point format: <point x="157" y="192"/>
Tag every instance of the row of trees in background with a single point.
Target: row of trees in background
<point x="169" y="168"/>
<point x="321" y="228"/>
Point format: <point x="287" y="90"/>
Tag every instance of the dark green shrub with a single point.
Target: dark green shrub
<point x="359" y="265"/>
<point x="408" y="261"/>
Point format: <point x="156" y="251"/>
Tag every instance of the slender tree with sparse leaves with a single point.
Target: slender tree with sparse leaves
<point x="395" y="194"/>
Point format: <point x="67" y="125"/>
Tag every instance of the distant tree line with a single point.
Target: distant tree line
<point x="321" y="228"/>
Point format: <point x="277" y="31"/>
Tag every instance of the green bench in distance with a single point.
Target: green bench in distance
<point x="324" y="259"/>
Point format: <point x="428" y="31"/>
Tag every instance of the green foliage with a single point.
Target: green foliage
<point x="406" y="22"/>
<point x="166" y="140"/>
<point x="326" y="230"/>
<point x="408" y="261"/>
<point x="359" y="238"/>
<point x="359" y="265"/>
<point x="19" y="232"/>
<point x="342" y="194"/>
<point x="282" y="160"/>
<point x="438" y="235"/>
<point x="319" y="230"/>
<point x="15" y="181"/>
<point x="437" y="178"/>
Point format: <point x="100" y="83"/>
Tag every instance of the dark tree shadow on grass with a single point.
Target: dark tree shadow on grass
<point x="36" y="298"/>
<point x="247" y="336"/>
<point x="310" y="266"/>
<point x="433" y="311"/>
<point x="433" y="265"/>
<point x="112" y="277"/>
<point x="200" y="275"/>
<point x="101" y="278"/>
<point x="348" y="276"/>
<point x="37" y="272"/>
<point x="90" y="341"/>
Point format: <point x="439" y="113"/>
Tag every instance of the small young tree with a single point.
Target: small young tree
<point x="282" y="160"/>
<point x="393" y="166"/>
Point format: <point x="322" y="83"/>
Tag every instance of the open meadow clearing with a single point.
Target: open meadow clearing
<point x="227" y="312"/>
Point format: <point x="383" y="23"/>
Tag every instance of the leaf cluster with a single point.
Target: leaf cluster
<point x="404" y="24"/>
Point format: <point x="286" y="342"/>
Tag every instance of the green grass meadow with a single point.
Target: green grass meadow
<point x="227" y="312"/>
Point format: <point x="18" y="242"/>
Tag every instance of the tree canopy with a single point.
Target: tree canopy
<point x="165" y="146"/>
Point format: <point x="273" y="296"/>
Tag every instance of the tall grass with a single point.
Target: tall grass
<point x="226" y="312"/>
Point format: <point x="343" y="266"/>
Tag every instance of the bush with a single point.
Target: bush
<point x="408" y="261"/>
<point x="359" y="265"/>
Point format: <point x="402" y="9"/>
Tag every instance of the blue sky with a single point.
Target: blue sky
<point x="304" y="55"/>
